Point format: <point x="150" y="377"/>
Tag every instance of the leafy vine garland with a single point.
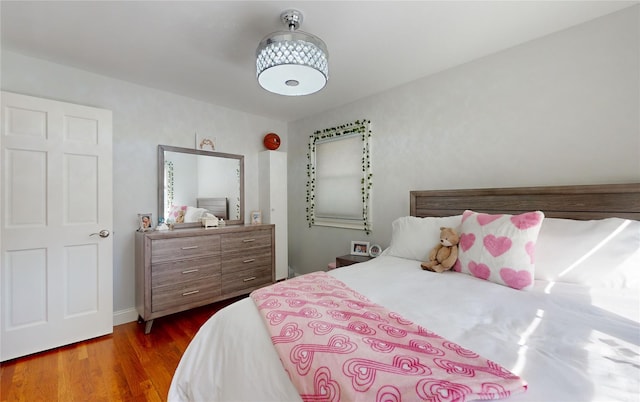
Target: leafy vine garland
<point x="238" y="197"/>
<point x="168" y="169"/>
<point x="363" y="128"/>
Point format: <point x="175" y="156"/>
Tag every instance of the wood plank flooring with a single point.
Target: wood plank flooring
<point x="124" y="366"/>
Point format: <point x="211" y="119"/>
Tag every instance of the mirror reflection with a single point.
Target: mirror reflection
<point x="193" y="183"/>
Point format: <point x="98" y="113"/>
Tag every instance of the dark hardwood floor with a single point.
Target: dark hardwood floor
<point x="124" y="366"/>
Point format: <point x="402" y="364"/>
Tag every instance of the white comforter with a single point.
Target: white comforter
<point x="569" y="342"/>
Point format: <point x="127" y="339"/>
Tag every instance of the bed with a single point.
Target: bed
<point x="218" y="206"/>
<point x="571" y="333"/>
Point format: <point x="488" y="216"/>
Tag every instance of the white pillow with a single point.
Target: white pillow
<point x="603" y="252"/>
<point x="499" y="247"/>
<point x="194" y="214"/>
<point x="413" y="237"/>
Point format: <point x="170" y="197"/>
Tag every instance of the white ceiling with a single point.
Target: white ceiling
<point x="205" y="49"/>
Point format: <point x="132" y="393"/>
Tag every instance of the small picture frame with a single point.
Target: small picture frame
<point x="360" y="248"/>
<point x="375" y="250"/>
<point x="145" y="222"/>
<point x="256" y="217"/>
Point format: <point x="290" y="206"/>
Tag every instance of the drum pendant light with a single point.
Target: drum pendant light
<point x="292" y="62"/>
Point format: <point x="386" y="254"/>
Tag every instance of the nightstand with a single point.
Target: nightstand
<point x="348" y="259"/>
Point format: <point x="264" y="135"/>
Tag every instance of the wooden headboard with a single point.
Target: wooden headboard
<point x="573" y="202"/>
<point x="216" y="205"/>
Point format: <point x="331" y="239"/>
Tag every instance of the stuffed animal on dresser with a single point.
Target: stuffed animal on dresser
<point x="180" y="216"/>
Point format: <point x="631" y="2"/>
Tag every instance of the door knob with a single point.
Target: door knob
<point x="102" y="233"/>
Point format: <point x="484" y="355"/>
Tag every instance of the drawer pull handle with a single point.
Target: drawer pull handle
<point x="189" y="247"/>
<point x="190" y="271"/>
<point x="248" y="240"/>
<point x="193" y="292"/>
<point x="248" y="279"/>
<point x="249" y="260"/>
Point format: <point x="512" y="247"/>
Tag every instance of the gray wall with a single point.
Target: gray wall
<point x="559" y="110"/>
<point x="142" y="119"/>
<point x="563" y="109"/>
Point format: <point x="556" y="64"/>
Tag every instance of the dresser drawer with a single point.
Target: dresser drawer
<point x="186" y="268"/>
<point x="167" y="273"/>
<point x="184" y="247"/>
<point x="191" y="294"/>
<point x="246" y="280"/>
<point x="241" y="260"/>
<point x="232" y="242"/>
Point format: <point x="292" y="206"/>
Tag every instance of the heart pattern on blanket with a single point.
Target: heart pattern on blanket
<point x="277" y="317"/>
<point x="289" y="333"/>
<point x="302" y="354"/>
<point x="363" y="351"/>
<point x="325" y="388"/>
<point x="459" y="349"/>
<point x="363" y="372"/>
<point x="441" y="390"/>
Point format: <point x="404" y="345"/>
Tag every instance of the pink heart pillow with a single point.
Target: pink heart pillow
<point x="175" y="211"/>
<point x="499" y="247"/>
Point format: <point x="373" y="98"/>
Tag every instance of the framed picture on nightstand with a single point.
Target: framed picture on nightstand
<point x="360" y="248"/>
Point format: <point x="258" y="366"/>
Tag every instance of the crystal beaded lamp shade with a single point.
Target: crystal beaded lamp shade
<point x="292" y="62"/>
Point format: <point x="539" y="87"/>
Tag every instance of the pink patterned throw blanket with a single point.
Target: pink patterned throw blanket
<point x="336" y="345"/>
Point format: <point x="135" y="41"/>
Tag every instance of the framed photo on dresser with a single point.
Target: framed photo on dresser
<point x="256" y="217"/>
<point x="145" y="222"/>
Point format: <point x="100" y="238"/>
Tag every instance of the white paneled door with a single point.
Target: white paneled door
<point x="56" y="200"/>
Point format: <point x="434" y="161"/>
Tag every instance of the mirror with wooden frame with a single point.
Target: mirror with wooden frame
<point x="192" y="182"/>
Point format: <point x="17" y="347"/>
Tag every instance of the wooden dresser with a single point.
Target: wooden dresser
<point x="185" y="268"/>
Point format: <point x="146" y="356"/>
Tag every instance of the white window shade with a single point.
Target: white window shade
<point x="339" y="177"/>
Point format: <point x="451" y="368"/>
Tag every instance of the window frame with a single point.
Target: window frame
<point x="359" y="128"/>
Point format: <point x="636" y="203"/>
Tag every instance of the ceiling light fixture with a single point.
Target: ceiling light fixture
<point x="292" y="62"/>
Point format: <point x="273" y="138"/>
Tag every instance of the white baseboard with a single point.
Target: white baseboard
<point x="125" y="316"/>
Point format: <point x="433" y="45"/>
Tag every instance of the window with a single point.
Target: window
<point x="339" y="177"/>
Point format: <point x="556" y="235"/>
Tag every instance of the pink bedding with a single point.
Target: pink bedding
<point x="335" y="345"/>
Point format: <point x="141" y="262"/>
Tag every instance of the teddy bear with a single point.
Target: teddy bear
<point x="180" y="216"/>
<point x="445" y="254"/>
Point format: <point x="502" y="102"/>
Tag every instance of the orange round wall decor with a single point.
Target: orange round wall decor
<point x="271" y="141"/>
